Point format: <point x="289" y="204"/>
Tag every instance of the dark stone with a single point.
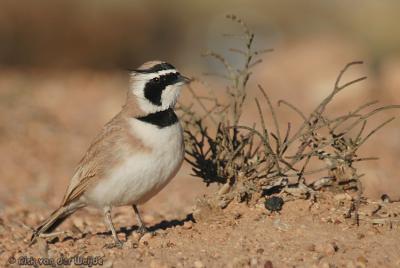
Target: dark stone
<point x="274" y="203"/>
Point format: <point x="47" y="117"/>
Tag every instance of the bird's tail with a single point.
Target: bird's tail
<point x="54" y="220"/>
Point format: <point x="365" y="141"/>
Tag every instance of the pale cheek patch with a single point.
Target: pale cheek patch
<point x="170" y="95"/>
<point x="156" y="95"/>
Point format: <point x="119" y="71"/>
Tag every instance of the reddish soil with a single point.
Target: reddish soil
<point x="47" y="122"/>
<point x="238" y="237"/>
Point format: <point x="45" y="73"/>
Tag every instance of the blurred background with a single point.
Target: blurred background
<point x="62" y="76"/>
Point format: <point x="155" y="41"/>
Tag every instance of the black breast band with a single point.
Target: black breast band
<point x="160" y="119"/>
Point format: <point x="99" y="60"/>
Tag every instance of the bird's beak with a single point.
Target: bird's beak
<point x="185" y="79"/>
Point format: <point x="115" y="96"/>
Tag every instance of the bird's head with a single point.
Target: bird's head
<point x="156" y="86"/>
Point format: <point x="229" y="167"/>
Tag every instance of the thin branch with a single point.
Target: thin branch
<point x="273" y="115"/>
<point x="375" y="130"/>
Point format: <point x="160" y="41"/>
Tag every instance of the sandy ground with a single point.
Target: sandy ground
<point x="299" y="236"/>
<point x="47" y="122"/>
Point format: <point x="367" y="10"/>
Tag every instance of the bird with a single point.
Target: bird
<point x="135" y="155"/>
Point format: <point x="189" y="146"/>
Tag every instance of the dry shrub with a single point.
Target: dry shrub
<point x="248" y="163"/>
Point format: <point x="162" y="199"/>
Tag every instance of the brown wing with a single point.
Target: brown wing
<point x="102" y="153"/>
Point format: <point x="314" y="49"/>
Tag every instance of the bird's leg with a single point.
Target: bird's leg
<point x="142" y="228"/>
<point x="107" y="216"/>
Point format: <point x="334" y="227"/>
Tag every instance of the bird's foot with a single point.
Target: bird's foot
<point x="142" y="230"/>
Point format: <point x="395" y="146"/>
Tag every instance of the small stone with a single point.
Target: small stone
<point x="260" y="251"/>
<point x="136" y="236"/>
<point x="260" y="205"/>
<point x="198" y="264"/>
<point x="360" y="236"/>
<point x="274" y="203"/>
<point x="224" y="189"/>
<point x="337" y="221"/>
<point x="310" y="247"/>
<point x="188" y="225"/>
<point x="144" y="240"/>
<point x="122" y="236"/>
<point x="134" y="244"/>
<point x="300" y="259"/>
<point x="342" y="197"/>
<point x="78" y="224"/>
<point x="268" y="264"/>
<point x="224" y="203"/>
<point x="253" y="262"/>
<point x="328" y="248"/>
<point x="237" y="215"/>
<point x="385" y="198"/>
<point x="362" y="261"/>
<point x="170" y="244"/>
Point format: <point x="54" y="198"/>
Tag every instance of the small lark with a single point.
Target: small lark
<point x="134" y="156"/>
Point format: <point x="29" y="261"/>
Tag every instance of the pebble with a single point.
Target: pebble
<point x="260" y="251"/>
<point x="337" y="221"/>
<point x="78" y="223"/>
<point x="343" y="196"/>
<point x="274" y="203"/>
<point x="328" y="249"/>
<point x="136" y="236"/>
<point x="253" y="262"/>
<point x="237" y="215"/>
<point x="188" y="225"/>
<point x="224" y="189"/>
<point x="362" y="261"/>
<point x="198" y="264"/>
<point x="135" y="245"/>
<point x="268" y="264"/>
<point x="122" y="236"/>
<point x="310" y="247"/>
<point x="144" y="240"/>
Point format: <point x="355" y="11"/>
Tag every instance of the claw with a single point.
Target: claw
<point x="142" y="230"/>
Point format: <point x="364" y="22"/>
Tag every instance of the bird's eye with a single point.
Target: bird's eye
<point x="156" y="79"/>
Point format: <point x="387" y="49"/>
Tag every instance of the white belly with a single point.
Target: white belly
<point x="142" y="175"/>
